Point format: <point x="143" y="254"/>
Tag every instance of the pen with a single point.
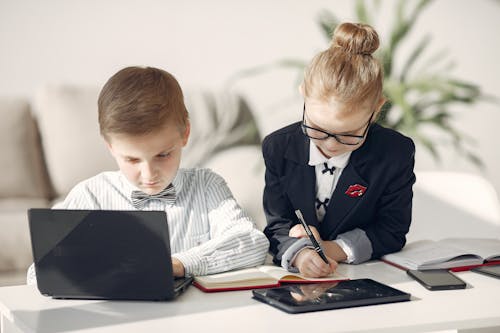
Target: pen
<point x="309" y="233"/>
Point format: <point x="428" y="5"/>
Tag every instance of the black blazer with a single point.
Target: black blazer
<point x="383" y="164"/>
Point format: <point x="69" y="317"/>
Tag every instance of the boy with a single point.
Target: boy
<point x="144" y="122"/>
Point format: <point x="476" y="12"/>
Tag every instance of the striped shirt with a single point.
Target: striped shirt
<point x="209" y="231"/>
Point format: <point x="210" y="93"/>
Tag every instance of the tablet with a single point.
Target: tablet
<point x="493" y="270"/>
<point x="298" y="298"/>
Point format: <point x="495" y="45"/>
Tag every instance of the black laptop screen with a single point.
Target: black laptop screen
<point x="102" y="254"/>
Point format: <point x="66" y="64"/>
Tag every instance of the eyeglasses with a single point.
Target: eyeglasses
<point x="345" y="139"/>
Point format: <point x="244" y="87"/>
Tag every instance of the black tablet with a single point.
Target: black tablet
<point x="298" y="298"/>
<point x="493" y="270"/>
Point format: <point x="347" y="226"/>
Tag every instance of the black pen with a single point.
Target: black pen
<point x="309" y="233"/>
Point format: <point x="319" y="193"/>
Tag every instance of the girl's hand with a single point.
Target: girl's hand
<point x="311" y="265"/>
<point x="298" y="231"/>
<point x="331" y="248"/>
<point x="178" y="267"/>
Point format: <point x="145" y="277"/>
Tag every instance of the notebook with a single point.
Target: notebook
<point x="264" y="276"/>
<point x="103" y="254"/>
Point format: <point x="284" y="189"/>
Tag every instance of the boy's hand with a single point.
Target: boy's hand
<point x="311" y="265"/>
<point x="178" y="268"/>
<point x="298" y="231"/>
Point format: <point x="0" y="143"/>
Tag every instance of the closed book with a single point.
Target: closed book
<point x="265" y="276"/>
<point x="449" y="253"/>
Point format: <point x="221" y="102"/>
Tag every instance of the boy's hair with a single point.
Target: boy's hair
<point x="347" y="70"/>
<point x="140" y="100"/>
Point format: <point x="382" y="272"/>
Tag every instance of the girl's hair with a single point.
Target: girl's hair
<point x="140" y="100"/>
<point x="347" y="70"/>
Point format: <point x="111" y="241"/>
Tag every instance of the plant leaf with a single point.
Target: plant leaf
<point x="327" y="22"/>
<point x="416" y="53"/>
<point x="401" y="28"/>
<point x="362" y="13"/>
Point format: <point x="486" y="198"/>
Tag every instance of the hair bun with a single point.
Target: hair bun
<point x="355" y="38"/>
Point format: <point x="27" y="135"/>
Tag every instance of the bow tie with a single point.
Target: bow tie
<point x="139" y="198"/>
<point x="320" y="203"/>
<point x="327" y="169"/>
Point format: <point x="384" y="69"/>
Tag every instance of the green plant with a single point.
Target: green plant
<point x="421" y="93"/>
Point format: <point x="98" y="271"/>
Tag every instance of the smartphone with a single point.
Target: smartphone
<point x="437" y="279"/>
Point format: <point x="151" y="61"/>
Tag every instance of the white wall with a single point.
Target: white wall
<point x="204" y="43"/>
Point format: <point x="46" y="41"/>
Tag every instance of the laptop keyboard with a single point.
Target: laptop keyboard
<point x="182" y="283"/>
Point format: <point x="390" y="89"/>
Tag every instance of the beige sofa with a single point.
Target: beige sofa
<point x="52" y="143"/>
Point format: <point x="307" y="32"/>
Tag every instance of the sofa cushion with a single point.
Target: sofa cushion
<point x="219" y="120"/>
<point x="14" y="236"/>
<point x="243" y="169"/>
<point x="21" y="159"/>
<point x="74" y="149"/>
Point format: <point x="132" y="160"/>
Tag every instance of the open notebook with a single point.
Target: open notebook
<point x="264" y="276"/>
<point x="454" y="253"/>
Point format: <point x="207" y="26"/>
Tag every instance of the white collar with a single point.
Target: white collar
<point x="316" y="157"/>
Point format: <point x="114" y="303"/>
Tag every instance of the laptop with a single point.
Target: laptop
<point x="103" y="254"/>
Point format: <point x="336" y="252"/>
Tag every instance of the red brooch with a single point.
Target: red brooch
<point x="355" y="191"/>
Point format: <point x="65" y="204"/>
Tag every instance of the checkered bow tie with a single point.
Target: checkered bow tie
<point x="139" y="198"/>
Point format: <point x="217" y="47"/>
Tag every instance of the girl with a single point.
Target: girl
<point x="351" y="178"/>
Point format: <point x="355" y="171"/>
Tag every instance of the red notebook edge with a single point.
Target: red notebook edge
<point x="214" y="290"/>
<point x="394" y="264"/>
<point x="467" y="268"/>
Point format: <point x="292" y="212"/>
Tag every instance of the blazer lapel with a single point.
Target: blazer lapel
<point x="300" y="178"/>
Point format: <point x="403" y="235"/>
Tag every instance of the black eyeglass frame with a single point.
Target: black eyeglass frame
<point x="335" y="136"/>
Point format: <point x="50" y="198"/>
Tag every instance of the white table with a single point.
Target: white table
<point x="475" y="309"/>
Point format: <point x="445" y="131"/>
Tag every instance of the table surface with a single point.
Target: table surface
<point x="477" y="306"/>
